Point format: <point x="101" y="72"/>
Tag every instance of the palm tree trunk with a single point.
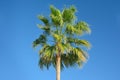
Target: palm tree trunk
<point x="58" y="58"/>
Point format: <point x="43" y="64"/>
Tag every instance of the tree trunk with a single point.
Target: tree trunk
<point x="58" y="59"/>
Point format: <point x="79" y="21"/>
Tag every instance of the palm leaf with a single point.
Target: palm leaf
<point x="46" y="29"/>
<point x="56" y="16"/>
<point x="70" y="29"/>
<point x="78" y="42"/>
<point x="44" y="20"/>
<point x="82" y="27"/>
<point x="40" y="41"/>
<point x="46" y="56"/>
<point x="68" y="14"/>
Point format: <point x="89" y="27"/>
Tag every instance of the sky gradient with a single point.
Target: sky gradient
<point x="19" y="61"/>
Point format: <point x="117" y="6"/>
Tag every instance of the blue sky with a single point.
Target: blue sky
<point x="19" y="61"/>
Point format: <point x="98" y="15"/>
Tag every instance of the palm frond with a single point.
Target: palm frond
<point x="70" y="60"/>
<point x="44" y="62"/>
<point x="57" y="37"/>
<point x="47" y="56"/>
<point x="43" y="49"/>
<point x="70" y="29"/>
<point x="79" y="42"/>
<point x="82" y="27"/>
<point x="75" y="57"/>
<point x="80" y="53"/>
<point x="46" y="29"/>
<point x="44" y="20"/>
<point x="40" y="41"/>
<point x="56" y="16"/>
<point x="83" y="43"/>
<point x="64" y="47"/>
<point x="68" y="14"/>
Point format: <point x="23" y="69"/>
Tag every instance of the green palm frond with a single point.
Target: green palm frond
<point x="79" y="42"/>
<point x="80" y="53"/>
<point x="75" y="57"/>
<point x="64" y="47"/>
<point x="56" y="16"/>
<point x="44" y="20"/>
<point x="68" y="14"/>
<point x="48" y="50"/>
<point x="84" y="53"/>
<point x="57" y="37"/>
<point x="46" y="29"/>
<point x="44" y="62"/>
<point x="43" y="49"/>
<point x="71" y="59"/>
<point x="40" y="41"/>
<point x="47" y="56"/>
<point x="82" y="27"/>
<point x="70" y="29"/>
<point x="83" y="43"/>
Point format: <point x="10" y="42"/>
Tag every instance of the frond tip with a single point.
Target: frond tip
<point x="39" y="41"/>
<point x="43" y="19"/>
<point x="83" y="27"/>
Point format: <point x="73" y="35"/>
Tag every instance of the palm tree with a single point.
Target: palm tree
<point x="60" y="43"/>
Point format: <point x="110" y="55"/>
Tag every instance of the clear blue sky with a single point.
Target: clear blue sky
<point x="19" y="61"/>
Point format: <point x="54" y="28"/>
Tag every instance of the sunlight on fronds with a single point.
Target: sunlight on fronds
<point x="68" y="14"/>
<point x="56" y="16"/>
<point x="61" y="34"/>
<point x="83" y="26"/>
<point x="70" y="29"/>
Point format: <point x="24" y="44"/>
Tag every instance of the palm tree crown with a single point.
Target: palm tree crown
<point x="61" y="37"/>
